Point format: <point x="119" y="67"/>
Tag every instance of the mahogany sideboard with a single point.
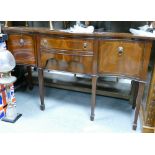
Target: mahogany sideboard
<point x="96" y="54"/>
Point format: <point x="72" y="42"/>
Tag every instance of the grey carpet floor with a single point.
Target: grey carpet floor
<point x="68" y="112"/>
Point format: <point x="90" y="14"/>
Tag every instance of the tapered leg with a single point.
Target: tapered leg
<point x="133" y="94"/>
<point x="138" y="103"/>
<point x="29" y="78"/>
<point x="41" y="88"/>
<point x="93" y="99"/>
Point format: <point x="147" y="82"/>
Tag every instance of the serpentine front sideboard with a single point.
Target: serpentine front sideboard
<point x="96" y="54"/>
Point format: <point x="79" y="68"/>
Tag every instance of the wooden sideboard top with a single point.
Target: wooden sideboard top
<point x="47" y="31"/>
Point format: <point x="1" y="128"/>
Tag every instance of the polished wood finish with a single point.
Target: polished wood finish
<point x="70" y="63"/>
<point x="95" y="35"/>
<point x="23" y="48"/>
<point x="78" y="45"/>
<point x="124" y="58"/>
<point x="72" y="55"/>
<point x="97" y="54"/>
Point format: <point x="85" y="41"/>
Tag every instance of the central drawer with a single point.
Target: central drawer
<point x="65" y="54"/>
<point x="66" y="44"/>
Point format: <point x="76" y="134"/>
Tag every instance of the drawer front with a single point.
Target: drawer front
<point x="124" y="58"/>
<point x="66" y="44"/>
<point x="65" y="54"/>
<point x="22" y="47"/>
<point x="69" y="63"/>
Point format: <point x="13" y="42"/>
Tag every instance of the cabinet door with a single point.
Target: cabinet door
<point x="125" y="58"/>
<point x="23" y="48"/>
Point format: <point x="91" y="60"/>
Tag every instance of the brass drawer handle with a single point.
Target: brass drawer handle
<point x="120" y="50"/>
<point x="21" y="42"/>
<point x="44" y="43"/>
<point x="85" y="45"/>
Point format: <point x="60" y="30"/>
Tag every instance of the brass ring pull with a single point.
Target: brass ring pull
<point x="85" y="45"/>
<point x="120" y="50"/>
<point x="21" y="42"/>
<point x="44" y="43"/>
